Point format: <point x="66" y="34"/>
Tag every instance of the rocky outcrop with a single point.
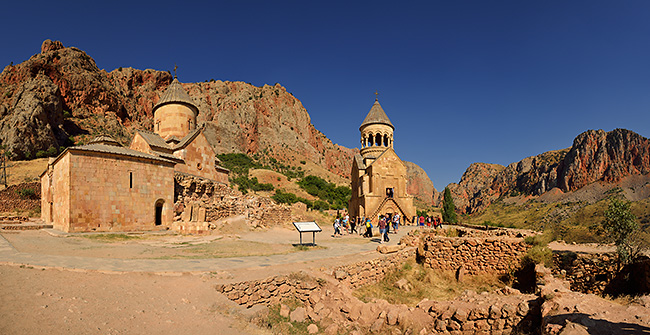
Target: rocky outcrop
<point x="596" y="156"/>
<point x="60" y="95"/>
<point x="607" y="156"/>
<point x="477" y="177"/>
<point x="419" y="183"/>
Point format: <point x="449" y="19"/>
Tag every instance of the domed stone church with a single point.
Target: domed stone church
<point x="103" y="186"/>
<point x="378" y="176"/>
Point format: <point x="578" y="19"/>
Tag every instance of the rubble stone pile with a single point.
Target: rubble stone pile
<point x="334" y="308"/>
<point x="20" y="198"/>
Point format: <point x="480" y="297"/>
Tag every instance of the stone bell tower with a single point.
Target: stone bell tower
<point x="175" y="114"/>
<point x="378" y="176"/>
<point x="376" y="132"/>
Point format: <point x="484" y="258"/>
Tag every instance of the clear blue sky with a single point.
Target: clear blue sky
<point x="462" y="81"/>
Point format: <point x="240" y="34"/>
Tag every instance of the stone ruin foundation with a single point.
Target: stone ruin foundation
<point x="201" y="205"/>
<point x="327" y="301"/>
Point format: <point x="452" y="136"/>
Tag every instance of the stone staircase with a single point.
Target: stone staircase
<point x="22" y="223"/>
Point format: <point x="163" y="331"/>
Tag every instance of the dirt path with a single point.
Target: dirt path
<point x="36" y="301"/>
<point x="588" y="248"/>
<point x="82" y="297"/>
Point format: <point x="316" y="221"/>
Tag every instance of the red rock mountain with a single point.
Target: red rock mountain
<point x="595" y="156"/>
<point x="60" y="96"/>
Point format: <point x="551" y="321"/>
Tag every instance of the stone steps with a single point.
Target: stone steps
<point x="22" y="223"/>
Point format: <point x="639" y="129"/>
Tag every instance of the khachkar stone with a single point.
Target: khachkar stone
<point x="378" y="176"/>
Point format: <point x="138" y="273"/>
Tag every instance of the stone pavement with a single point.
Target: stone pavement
<point x="335" y="247"/>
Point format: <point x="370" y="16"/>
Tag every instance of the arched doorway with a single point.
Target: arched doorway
<point x="159" y="208"/>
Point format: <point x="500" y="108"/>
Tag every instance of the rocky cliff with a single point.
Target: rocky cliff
<point x="59" y="97"/>
<point x="419" y="183"/>
<point x="595" y="155"/>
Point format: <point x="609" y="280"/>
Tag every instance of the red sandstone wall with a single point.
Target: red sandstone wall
<point x="200" y="160"/>
<point x="138" y="143"/>
<point x="61" y="194"/>
<point x="102" y="199"/>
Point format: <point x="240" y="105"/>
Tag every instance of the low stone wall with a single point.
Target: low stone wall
<point x="270" y="291"/>
<point x="590" y="273"/>
<point x="473" y="255"/>
<point x="200" y="204"/>
<point x="336" y="310"/>
<point x="371" y="271"/>
<point x="600" y="274"/>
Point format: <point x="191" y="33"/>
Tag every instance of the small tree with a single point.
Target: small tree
<point x="448" y="208"/>
<point x="619" y="226"/>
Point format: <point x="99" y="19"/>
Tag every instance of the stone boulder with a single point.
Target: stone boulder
<point x="388" y="249"/>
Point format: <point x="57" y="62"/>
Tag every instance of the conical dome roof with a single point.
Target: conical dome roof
<point x="106" y="140"/>
<point x="175" y="93"/>
<point x="376" y="115"/>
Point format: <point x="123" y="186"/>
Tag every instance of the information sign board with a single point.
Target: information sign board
<point x="308" y="227"/>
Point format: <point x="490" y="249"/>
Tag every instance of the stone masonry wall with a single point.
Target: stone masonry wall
<point x="589" y="273"/>
<point x="201" y="204"/>
<point x="371" y="271"/>
<point x="474" y="255"/>
<point x="271" y="290"/>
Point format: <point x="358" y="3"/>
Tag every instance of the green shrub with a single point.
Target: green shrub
<point x="26" y="193"/>
<point x="539" y="255"/>
<point x="337" y="197"/>
<point x="244" y="184"/>
<point x="238" y="163"/>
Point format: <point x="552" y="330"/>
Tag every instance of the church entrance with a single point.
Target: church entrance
<point x="159" y="208"/>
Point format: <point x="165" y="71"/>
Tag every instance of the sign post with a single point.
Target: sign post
<point x="308" y="227"/>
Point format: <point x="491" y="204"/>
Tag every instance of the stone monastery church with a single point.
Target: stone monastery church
<point x="378" y="175"/>
<point x="104" y="186"/>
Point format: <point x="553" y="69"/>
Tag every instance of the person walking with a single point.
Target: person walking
<point x="395" y="222"/>
<point x="368" y="232"/>
<point x="388" y="219"/>
<point x="353" y="225"/>
<point x="382" y="229"/>
<point x="337" y="227"/>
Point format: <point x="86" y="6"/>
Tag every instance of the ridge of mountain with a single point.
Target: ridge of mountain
<point x="595" y="156"/>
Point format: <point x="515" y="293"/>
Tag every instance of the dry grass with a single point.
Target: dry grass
<point x="232" y="248"/>
<point x="426" y="283"/>
<point x="527" y="215"/>
<point x="25" y="171"/>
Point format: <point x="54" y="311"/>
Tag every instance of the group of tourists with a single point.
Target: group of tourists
<point x="428" y="221"/>
<point x="363" y="226"/>
<point x="346" y="225"/>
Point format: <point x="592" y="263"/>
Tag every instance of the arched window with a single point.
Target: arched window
<point x="378" y="139"/>
<point x="385" y="140"/>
